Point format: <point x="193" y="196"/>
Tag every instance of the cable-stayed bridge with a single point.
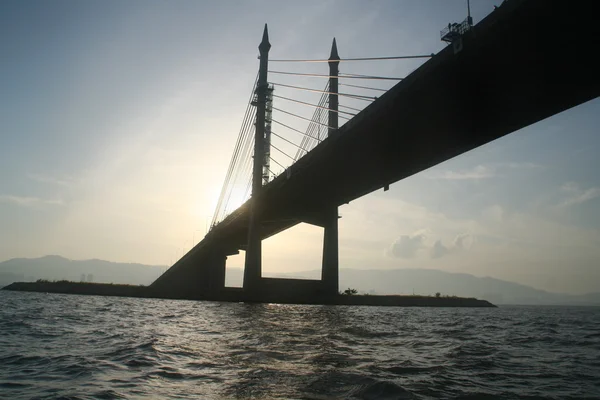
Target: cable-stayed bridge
<point x="526" y="61"/>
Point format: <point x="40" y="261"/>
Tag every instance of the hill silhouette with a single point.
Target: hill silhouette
<point x="54" y="267"/>
<point x="396" y="281"/>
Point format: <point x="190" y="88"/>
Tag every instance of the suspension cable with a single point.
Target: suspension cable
<point x="289" y="141"/>
<point x="354" y="96"/>
<point x="350" y="108"/>
<point x="346" y="76"/>
<point x="295" y="130"/>
<point x="248" y="185"/>
<point x="282" y="152"/>
<point x="301" y="117"/>
<point x="360" y="59"/>
<point x="235" y="160"/>
<point x="314" y="130"/>
<point x="272" y="159"/>
<point x="362" y="87"/>
<point x="313" y="105"/>
<point x="245" y="161"/>
<point x="359" y="76"/>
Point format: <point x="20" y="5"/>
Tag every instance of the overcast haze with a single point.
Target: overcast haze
<point x="118" y="120"/>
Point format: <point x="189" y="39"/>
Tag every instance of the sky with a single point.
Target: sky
<point x="118" y="121"/>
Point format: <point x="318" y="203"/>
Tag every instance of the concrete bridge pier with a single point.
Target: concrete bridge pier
<point x="195" y="277"/>
<point x="330" y="268"/>
<point x="253" y="260"/>
<point x="330" y="271"/>
<point x="215" y="277"/>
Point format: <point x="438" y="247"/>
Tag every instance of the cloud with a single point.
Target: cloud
<point x="24" y="201"/>
<point x="522" y="165"/>
<point x="577" y="195"/>
<point x="439" y="250"/>
<point x="407" y="246"/>
<point x="461" y="242"/>
<point x="481" y="171"/>
<point x="43" y="178"/>
<point x="477" y="173"/>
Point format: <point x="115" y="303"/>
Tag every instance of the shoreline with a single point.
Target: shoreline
<point x="237" y="295"/>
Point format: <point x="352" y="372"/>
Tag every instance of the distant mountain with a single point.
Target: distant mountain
<point x="428" y="281"/>
<point x="56" y="268"/>
<point x="397" y="281"/>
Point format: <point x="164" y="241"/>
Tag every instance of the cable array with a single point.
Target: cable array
<point x="239" y="172"/>
<point x="353" y="96"/>
<point x="316" y="130"/>
<point x="292" y="134"/>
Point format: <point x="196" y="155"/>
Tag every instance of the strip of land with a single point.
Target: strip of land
<point x="238" y="295"/>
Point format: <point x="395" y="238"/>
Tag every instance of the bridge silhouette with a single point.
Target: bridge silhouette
<point x="526" y="61"/>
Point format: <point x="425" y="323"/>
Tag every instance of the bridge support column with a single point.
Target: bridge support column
<point x="330" y="271"/>
<point x="253" y="261"/>
<point x="216" y="278"/>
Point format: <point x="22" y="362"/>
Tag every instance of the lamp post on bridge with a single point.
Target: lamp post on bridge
<point x="253" y="262"/>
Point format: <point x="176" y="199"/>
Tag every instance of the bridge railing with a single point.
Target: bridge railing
<point x="455" y="30"/>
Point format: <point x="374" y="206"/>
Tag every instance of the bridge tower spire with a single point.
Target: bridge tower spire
<point x="330" y="268"/>
<point x="253" y="262"/>
<point x="334" y="62"/>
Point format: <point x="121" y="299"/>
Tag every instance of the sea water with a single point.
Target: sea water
<point x="56" y="346"/>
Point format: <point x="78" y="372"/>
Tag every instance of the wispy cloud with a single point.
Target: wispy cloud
<point x="519" y="165"/>
<point x="482" y="171"/>
<point x="43" y="178"/>
<point x="577" y="195"/>
<point x="26" y="201"/>
<point x="477" y="173"/>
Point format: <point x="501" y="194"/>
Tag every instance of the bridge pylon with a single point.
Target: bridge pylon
<point x="253" y="262"/>
<point x="330" y="268"/>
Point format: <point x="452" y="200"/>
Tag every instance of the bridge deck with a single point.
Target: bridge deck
<point x="508" y="75"/>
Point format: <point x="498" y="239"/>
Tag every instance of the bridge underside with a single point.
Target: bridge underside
<point x="508" y="75"/>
